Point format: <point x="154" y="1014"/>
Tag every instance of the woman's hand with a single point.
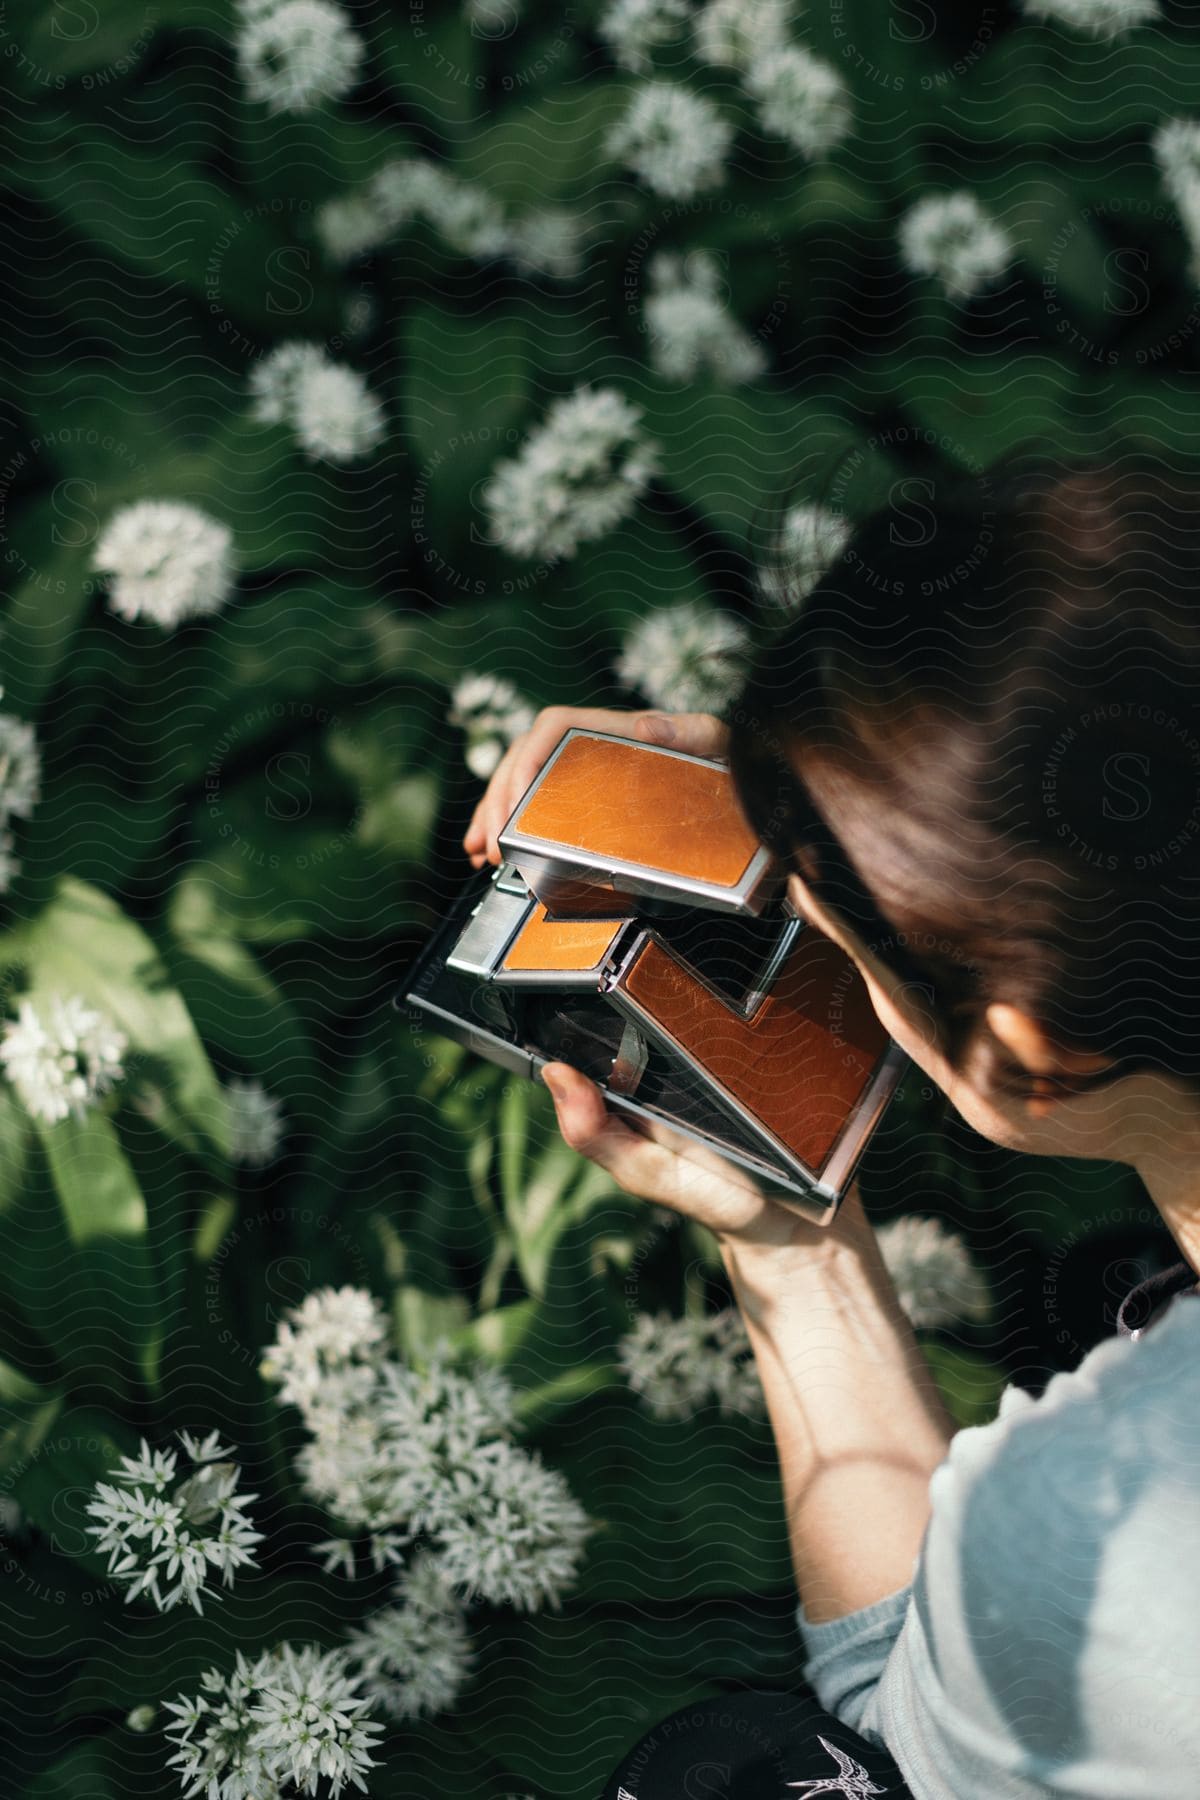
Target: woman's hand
<point x="701" y="734"/>
<point x="652" y="1161"/>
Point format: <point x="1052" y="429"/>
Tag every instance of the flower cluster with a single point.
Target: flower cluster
<point x="936" y="1280"/>
<point x="734" y="34"/>
<point x="686" y="658"/>
<point x="633" y="29"/>
<point x="575" y="478"/>
<point x="675" y="1366"/>
<point x="296" y="54"/>
<point x="952" y="237"/>
<point x="168" y="561"/>
<point x="401" y="1452"/>
<point x="328" y="405"/>
<point x="492" y="713"/>
<point x="158" y="1528"/>
<point x="415" y="1656"/>
<point x="809" y="542"/>
<point x="20" y="785"/>
<point x="1095" y="18"/>
<point x="255" y="1123"/>
<point x="282" y="1723"/>
<point x="62" y="1060"/>
<point x="1176" y="147"/>
<point x="674" y="141"/>
<point x="468" y="220"/>
<point x="800" y="98"/>
<point x="689" y="326"/>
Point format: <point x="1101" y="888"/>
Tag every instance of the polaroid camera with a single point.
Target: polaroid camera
<point x="637" y="930"/>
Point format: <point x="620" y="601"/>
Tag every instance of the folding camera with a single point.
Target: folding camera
<point x="638" y="930"/>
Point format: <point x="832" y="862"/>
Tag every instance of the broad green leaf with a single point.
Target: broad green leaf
<point x="970" y="1385"/>
<point x="99" y="1194"/>
<point x="82" y="943"/>
<point x="423" y="1319"/>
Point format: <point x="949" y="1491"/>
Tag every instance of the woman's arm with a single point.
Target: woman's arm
<point x="858" y="1421"/>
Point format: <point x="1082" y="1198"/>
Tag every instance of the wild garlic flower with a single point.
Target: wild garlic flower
<point x="508" y="1529"/>
<point x="141" y="1718"/>
<point x="733" y="34"/>
<point x="690" y="328"/>
<point x="492" y="713"/>
<point x="400" y="1451"/>
<point x="686" y="658"/>
<point x="674" y="141"/>
<point x="255" y="1123"/>
<point x="20" y="768"/>
<point x="634" y="29"/>
<point x="952" y="237"/>
<point x="10" y="865"/>
<point x="287" y="1721"/>
<point x="1095" y="18"/>
<point x="327" y="404"/>
<point x="416" y="1656"/>
<point x="1176" y="147"/>
<point x="159" y="1528"/>
<point x="800" y="98"/>
<point x="63" y="1059"/>
<point x="936" y="1280"/>
<point x="167" y="561"/>
<point x="676" y="1366"/>
<point x="298" y="54"/>
<point x="576" y="476"/>
<point x="809" y="542"/>
<point x="547" y="241"/>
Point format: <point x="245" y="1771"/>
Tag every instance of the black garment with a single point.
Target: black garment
<point x="754" y="1746"/>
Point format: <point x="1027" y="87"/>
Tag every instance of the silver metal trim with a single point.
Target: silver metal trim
<point x="543" y="861"/>
<point x="488" y="932"/>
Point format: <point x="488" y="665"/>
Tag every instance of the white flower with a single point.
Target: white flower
<point x="810" y="540"/>
<point x="61" y="1063"/>
<point x="1098" y="18"/>
<point x="688" y="657"/>
<point x="548" y="241"/>
<point x="950" y="236"/>
<point x="689" y="326"/>
<point x="935" y="1278"/>
<point x="676" y="1366"/>
<point x="1176" y="147"/>
<point x="297" y="54"/>
<point x="327" y="404"/>
<point x="732" y="34"/>
<point x="415" y="1656"/>
<point x="350" y="226"/>
<point x="20" y="768"/>
<point x="492" y="713"/>
<point x="333" y="1329"/>
<point x="10" y="866"/>
<point x="141" y="1718"/>
<point x="509" y="1531"/>
<point x="292" y="1715"/>
<point x="156" y="1527"/>
<point x="575" y="478"/>
<point x="800" y="98"/>
<point x="169" y="562"/>
<point x="634" y="28"/>
<point x="256" y="1126"/>
<point x="673" y="140"/>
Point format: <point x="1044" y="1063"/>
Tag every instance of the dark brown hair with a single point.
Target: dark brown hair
<point x="978" y="740"/>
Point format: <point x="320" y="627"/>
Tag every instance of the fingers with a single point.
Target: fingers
<point x="699" y="734"/>
<point x="635" y="1162"/>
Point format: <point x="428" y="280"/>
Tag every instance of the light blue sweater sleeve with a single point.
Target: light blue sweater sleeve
<point x="1048" y="1643"/>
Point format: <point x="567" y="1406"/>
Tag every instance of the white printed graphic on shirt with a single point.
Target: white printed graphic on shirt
<point x="852" y="1779"/>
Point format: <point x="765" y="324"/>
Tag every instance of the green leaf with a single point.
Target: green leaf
<point x="423" y="1319"/>
<point x="99" y="1194"/>
<point x="970" y="1385"/>
<point x="546" y="1186"/>
<point x="72" y="38"/>
<point x="82" y="943"/>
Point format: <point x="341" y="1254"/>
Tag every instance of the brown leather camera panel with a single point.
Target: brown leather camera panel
<point x="560" y="945"/>
<point x="634" y="805"/>
<point x="799" y="1063"/>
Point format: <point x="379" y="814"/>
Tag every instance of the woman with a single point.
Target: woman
<point x="982" y="769"/>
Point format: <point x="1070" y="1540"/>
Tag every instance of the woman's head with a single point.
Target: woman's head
<point x="977" y="744"/>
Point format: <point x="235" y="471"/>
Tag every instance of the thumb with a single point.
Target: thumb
<point x="698" y="733"/>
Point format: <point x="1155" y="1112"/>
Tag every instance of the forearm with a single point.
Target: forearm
<point x="858" y="1421"/>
